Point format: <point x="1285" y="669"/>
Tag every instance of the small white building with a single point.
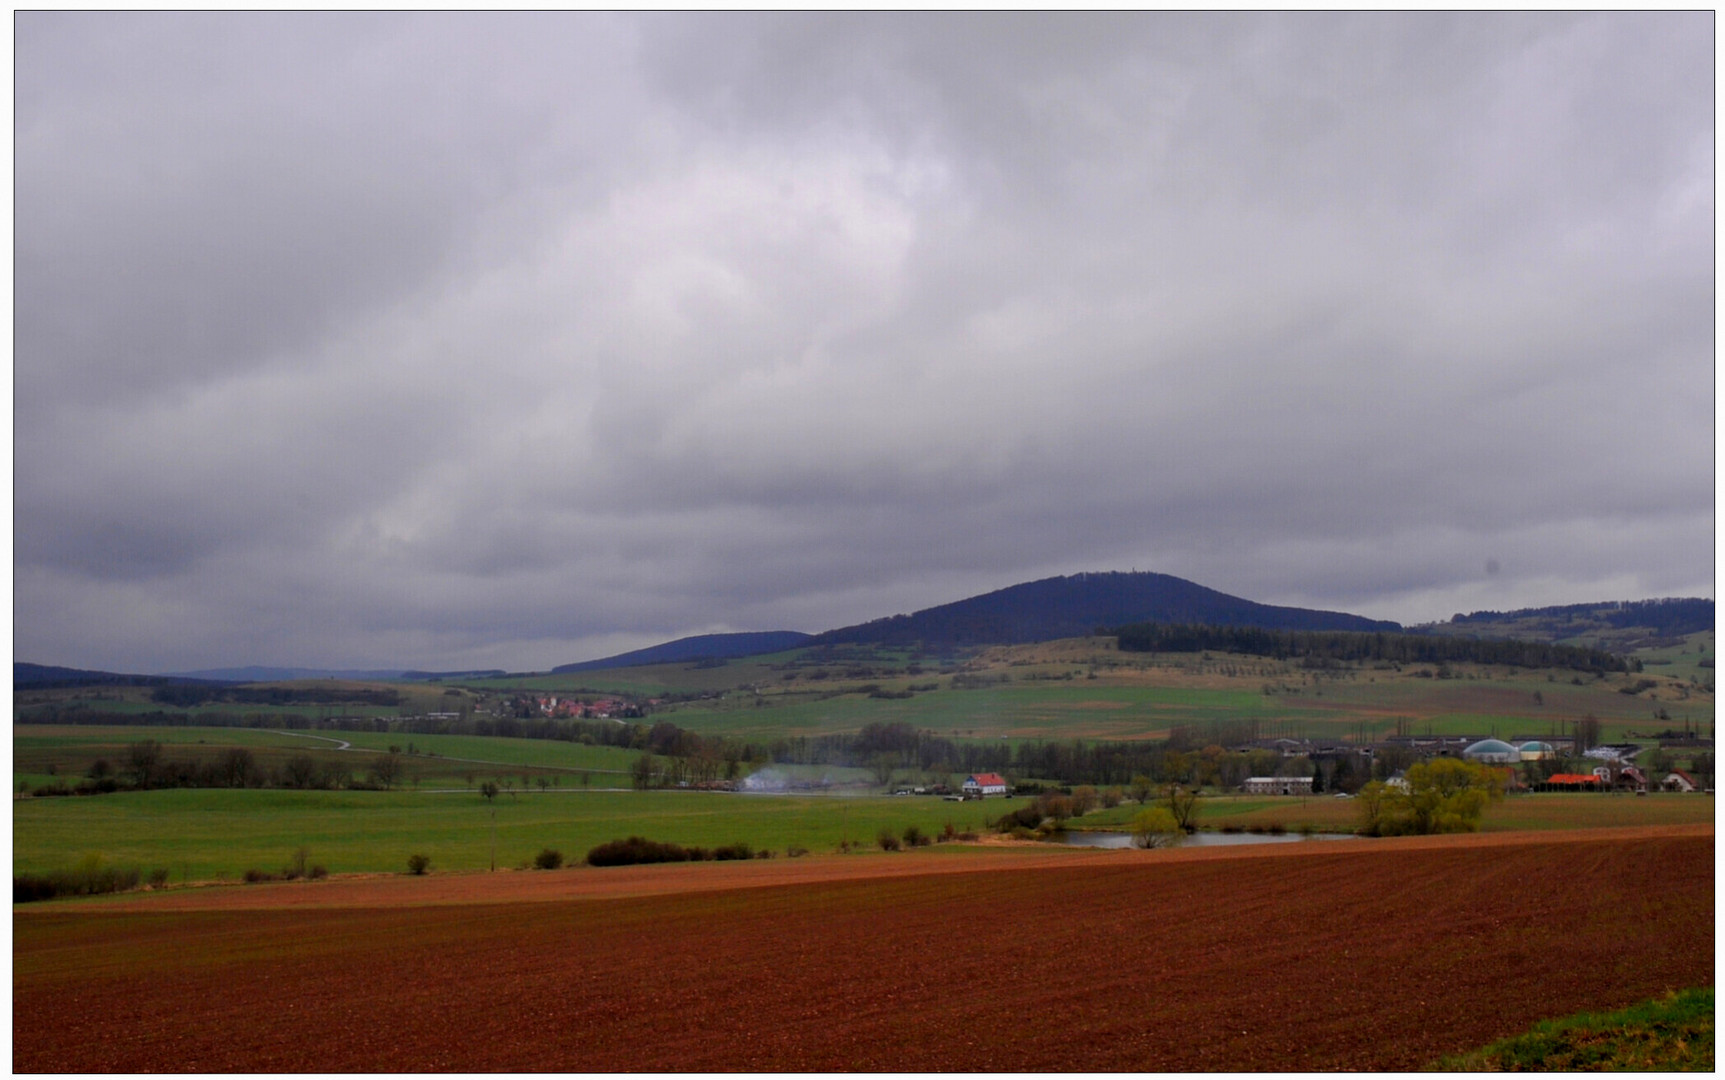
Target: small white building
<point x="1278" y="785"/>
<point x="1678" y="780"/>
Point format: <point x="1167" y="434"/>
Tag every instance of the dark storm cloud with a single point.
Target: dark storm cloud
<point x="454" y="340"/>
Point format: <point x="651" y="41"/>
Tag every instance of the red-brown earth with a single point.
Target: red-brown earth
<point x="1317" y="956"/>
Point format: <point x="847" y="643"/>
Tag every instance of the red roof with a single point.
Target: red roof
<point x="988" y="779"/>
<point x="1572" y="778"/>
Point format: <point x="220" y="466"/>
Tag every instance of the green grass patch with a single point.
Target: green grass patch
<point x="205" y="834"/>
<point x="1671" y="1034"/>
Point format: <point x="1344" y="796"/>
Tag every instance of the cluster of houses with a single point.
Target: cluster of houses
<point x="573" y="709"/>
<point x="1617" y="770"/>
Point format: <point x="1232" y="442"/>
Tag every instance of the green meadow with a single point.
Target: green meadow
<point x="209" y="834"/>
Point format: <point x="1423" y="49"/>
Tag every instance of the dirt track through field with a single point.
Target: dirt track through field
<point x="1368" y="955"/>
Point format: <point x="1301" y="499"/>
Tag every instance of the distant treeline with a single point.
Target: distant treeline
<point x="47" y="677"/>
<point x="1343" y="647"/>
<point x="1670" y="617"/>
<point x="185" y="696"/>
<point x="892" y="749"/>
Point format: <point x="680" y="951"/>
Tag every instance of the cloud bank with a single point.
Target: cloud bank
<point x="512" y="340"/>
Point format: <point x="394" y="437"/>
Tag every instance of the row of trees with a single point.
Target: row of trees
<point x="146" y="766"/>
<point x="1349" y="647"/>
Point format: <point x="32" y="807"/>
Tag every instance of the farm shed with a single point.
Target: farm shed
<point x="1569" y="782"/>
<point x="984" y="784"/>
<point x="1278" y="785"/>
<point x="1492" y="752"/>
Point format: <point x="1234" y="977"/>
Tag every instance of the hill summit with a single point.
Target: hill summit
<point x="1072" y="606"/>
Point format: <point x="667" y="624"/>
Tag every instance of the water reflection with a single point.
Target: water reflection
<point x="1090" y="838"/>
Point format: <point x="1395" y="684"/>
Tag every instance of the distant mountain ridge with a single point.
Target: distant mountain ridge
<point x="699" y="647"/>
<point x="259" y="673"/>
<point x="1670" y="615"/>
<point x="1622" y="626"/>
<point x="48" y="677"/>
<point x="1072" y="606"/>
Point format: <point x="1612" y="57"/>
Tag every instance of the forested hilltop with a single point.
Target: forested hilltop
<point x="1320" y="647"/>
<point x="1062" y="607"/>
<point x="1620" y="626"/>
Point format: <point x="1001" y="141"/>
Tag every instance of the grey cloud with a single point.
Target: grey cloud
<point x="343" y="336"/>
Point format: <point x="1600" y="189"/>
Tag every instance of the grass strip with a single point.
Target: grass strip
<point x="1673" y="1033"/>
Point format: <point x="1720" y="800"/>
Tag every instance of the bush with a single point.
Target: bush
<point x="254" y="876"/>
<point x="1154" y="827"/>
<point x="297" y="868"/>
<point x="636" y="850"/>
<point x="89" y="878"/>
<point x="887" y="841"/>
<point x="732" y="852"/>
<point x="915" y="837"/>
<point x="159" y="877"/>
<point x="1025" y="817"/>
<point x="796" y="851"/>
<point x="418" y="864"/>
<point x="548" y="859"/>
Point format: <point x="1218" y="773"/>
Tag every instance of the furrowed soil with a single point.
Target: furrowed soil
<point x="1376" y="955"/>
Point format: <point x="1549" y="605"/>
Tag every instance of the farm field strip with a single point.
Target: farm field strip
<point x="1308" y="957"/>
<point x="202" y="833"/>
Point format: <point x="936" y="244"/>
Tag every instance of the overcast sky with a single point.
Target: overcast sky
<point x="452" y="341"/>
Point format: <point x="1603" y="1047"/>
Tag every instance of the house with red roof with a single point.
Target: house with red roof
<point x="985" y="784"/>
<point x="1678" y="780"/>
<point x="1571" y="782"/>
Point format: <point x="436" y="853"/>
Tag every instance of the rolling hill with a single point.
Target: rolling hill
<point x="1072" y="606"/>
<point x="700" y="647"/>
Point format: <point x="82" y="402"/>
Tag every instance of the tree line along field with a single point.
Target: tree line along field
<point x="70" y="751"/>
<point x="1382" y="955"/>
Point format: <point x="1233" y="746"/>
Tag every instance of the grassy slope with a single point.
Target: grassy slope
<point x="1050" y="693"/>
<point x="1673" y="1033"/>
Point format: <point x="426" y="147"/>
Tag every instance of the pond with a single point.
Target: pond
<point x="1093" y="838"/>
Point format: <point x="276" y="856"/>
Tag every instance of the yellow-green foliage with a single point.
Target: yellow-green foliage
<point x="1154" y="827"/>
<point x="1442" y="795"/>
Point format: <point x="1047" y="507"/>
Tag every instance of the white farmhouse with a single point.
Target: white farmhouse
<point x="1278" y="785"/>
<point x="984" y="784"/>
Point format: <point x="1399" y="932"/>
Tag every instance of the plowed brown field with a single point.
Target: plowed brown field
<point x="1363" y="955"/>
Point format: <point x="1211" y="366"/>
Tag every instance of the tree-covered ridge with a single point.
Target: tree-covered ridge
<point x="1672" y="616"/>
<point x="1073" y="606"/>
<point x="1343" y="647"/>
